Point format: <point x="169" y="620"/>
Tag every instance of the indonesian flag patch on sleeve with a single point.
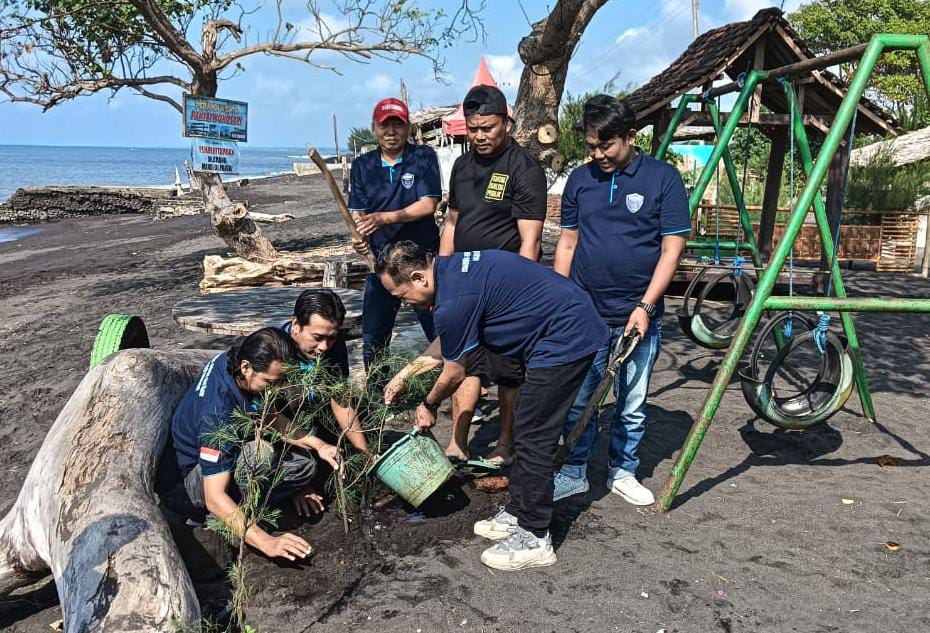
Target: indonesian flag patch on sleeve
<point x="209" y="454"/>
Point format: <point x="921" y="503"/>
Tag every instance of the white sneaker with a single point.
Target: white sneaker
<point x="498" y="527"/>
<point x="520" y="550"/>
<point x="633" y="492"/>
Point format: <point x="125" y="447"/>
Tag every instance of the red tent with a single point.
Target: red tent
<point x="454" y="124"/>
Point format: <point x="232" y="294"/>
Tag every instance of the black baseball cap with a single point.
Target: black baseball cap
<point x="485" y="100"/>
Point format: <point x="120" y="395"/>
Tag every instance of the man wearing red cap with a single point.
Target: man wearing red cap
<point x="393" y="194"/>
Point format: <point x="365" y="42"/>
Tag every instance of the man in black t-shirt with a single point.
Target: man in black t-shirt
<point x="497" y="200"/>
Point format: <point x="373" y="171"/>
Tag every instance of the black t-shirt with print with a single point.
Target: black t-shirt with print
<point x="491" y="193"/>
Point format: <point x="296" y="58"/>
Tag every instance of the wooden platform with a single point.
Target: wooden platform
<point x="241" y="312"/>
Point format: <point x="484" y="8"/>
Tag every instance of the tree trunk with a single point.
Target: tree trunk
<point x="546" y="53"/>
<point x="231" y="221"/>
<point x="86" y="512"/>
<point x="232" y="224"/>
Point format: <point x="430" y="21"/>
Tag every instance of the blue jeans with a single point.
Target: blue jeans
<point x="631" y="386"/>
<point x="379" y="310"/>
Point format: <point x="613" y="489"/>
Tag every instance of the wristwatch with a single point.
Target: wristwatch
<point x="649" y="308"/>
<point x="431" y="407"/>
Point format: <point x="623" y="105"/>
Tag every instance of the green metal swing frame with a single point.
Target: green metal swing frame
<point x="763" y="300"/>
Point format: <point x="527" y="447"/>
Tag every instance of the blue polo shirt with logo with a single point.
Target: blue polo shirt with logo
<point x="207" y="406"/>
<point x="621" y="218"/>
<point x="513" y="307"/>
<point x="377" y="186"/>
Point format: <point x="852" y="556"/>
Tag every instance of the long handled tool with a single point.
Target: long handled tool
<point x="622" y="350"/>
<point x="340" y="202"/>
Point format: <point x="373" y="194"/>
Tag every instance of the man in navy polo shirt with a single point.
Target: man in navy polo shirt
<point x="625" y="219"/>
<point x="315" y="330"/>
<point x="393" y="194"/>
<point x="199" y="473"/>
<point x="518" y="309"/>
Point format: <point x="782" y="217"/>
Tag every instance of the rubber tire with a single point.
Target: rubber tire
<point x="118" y="332"/>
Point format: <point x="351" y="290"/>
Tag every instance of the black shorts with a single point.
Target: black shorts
<point x="494" y="369"/>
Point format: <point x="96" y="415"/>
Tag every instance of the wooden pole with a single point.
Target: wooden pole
<point x="694" y="18"/>
<point x="335" y="134"/>
<point x="834" y="203"/>
<point x="776" y="168"/>
<point x="340" y="203"/>
<point x="925" y="263"/>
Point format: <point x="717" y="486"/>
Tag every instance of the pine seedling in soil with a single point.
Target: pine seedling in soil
<point x="305" y="397"/>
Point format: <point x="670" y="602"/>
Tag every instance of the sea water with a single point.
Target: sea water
<point x="11" y="234"/>
<point x="43" y="165"/>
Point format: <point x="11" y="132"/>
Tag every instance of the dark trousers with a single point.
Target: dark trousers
<point x="379" y="311"/>
<point x="543" y="402"/>
<point x="186" y="496"/>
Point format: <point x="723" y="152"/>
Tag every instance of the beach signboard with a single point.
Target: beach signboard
<point x="218" y="157"/>
<point x="219" y="119"/>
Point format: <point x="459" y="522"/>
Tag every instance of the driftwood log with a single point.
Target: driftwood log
<point x="288" y="269"/>
<point x="86" y="513"/>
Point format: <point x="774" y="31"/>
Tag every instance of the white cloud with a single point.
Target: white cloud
<point x="270" y="89"/>
<point x="381" y="83"/>
<point x="638" y="52"/>
<point x="506" y="70"/>
<point x="630" y="33"/>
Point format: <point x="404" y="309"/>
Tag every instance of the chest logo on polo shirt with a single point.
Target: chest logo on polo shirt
<point x="496" y="187"/>
<point x="634" y="202"/>
<point x="407" y="180"/>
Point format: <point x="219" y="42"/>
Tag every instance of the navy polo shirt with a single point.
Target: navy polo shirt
<point x="621" y="218"/>
<point x="513" y="307"/>
<point x="377" y="186"/>
<point x="207" y="406"/>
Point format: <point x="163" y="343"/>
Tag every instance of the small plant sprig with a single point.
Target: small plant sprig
<point x="304" y="401"/>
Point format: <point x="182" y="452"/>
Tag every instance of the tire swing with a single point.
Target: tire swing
<point x="823" y="396"/>
<point x="697" y="324"/>
<point x="693" y="320"/>
<point x="118" y="332"/>
<point x="833" y="383"/>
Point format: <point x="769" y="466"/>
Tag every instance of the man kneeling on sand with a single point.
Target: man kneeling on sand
<point x="518" y="309"/>
<point x="197" y="473"/>
<point x="315" y="330"/>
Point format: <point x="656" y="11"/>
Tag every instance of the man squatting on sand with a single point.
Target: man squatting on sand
<point x="497" y="200"/>
<point x="624" y="217"/>
<point x="196" y="476"/>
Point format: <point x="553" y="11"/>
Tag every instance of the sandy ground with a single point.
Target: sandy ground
<point x="759" y="539"/>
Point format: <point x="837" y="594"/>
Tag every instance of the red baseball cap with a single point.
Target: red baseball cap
<point x="386" y="108"/>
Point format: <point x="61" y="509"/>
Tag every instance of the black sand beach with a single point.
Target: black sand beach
<point x="760" y="538"/>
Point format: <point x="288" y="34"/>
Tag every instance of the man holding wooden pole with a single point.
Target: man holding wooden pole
<point x="393" y="193"/>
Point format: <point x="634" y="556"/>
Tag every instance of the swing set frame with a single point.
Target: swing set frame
<point x="816" y="169"/>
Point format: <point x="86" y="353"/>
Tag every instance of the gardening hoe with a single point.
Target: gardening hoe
<point x="622" y="350"/>
<point x="340" y="202"/>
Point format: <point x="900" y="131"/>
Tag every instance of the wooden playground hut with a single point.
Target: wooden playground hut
<point x="764" y="42"/>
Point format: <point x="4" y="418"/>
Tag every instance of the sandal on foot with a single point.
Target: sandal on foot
<point x="502" y="456"/>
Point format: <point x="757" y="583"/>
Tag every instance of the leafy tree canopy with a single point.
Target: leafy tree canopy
<point x="55" y="50"/>
<point x="829" y="25"/>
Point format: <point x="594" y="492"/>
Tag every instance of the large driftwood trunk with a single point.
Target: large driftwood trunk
<point x="546" y="52"/>
<point x="86" y="512"/>
<point x="289" y="269"/>
<point x="232" y="223"/>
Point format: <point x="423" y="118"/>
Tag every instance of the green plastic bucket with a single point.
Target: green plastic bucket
<point x="414" y="467"/>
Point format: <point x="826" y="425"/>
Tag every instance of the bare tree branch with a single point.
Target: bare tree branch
<point x="174" y="40"/>
<point x="159" y="97"/>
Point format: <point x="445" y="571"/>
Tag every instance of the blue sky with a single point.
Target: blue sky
<point x="291" y="104"/>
